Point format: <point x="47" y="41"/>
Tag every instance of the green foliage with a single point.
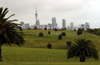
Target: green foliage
<point x="63" y="34"/>
<point x="45" y="28"/>
<point x="68" y="43"/>
<point x="10" y="32"/>
<point x="49" y="45"/>
<point x="94" y="31"/>
<point x="82" y="49"/>
<point x="35" y="27"/>
<point x="79" y="32"/>
<point x="55" y="29"/>
<point x="41" y="34"/>
<point x="29" y="29"/>
<point x="49" y="32"/>
<point x="60" y="37"/>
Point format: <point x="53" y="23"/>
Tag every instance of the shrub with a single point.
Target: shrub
<point x="68" y="43"/>
<point x="60" y="37"/>
<point x="35" y="27"/>
<point x="40" y="34"/>
<point x="55" y="29"/>
<point x="45" y="28"/>
<point x="63" y="34"/>
<point x="79" y="32"/>
<point x="49" y="32"/>
<point x="49" y="45"/>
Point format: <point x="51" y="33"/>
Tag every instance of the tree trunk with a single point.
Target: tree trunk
<point x="82" y="59"/>
<point x="0" y="54"/>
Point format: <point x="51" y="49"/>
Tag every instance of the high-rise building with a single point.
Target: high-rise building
<point x="54" y="24"/>
<point x="27" y="26"/>
<point x="72" y="26"/>
<point x="22" y="25"/>
<point x="37" y="23"/>
<point x="87" y="26"/>
<point x="63" y="23"/>
<point x="82" y="26"/>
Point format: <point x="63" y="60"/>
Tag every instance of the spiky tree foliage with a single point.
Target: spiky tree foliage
<point x="83" y="49"/>
<point x="9" y="32"/>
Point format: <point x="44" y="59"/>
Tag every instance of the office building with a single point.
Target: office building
<point x="63" y="23"/>
<point x="54" y="24"/>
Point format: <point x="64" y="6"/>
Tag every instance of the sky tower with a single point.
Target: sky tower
<point x="36" y="14"/>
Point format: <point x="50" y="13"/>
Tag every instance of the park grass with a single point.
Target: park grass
<point x="21" y="54"/>
<point x="34" y="41"/>
<point x="50" y="63"/>
<point x="35" y="48"/>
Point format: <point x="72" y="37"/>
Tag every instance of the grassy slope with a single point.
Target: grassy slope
<point x="34" y="41"/>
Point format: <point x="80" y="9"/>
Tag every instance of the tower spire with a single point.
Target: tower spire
<point x="36" y="13"/>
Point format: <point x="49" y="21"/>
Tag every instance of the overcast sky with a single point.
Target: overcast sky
<point x="76" y="11"/>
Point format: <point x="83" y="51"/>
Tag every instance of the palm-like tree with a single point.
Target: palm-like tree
<point x="9" y="32"/>
<point x="83" y="49"/>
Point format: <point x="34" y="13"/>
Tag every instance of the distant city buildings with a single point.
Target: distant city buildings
<point x="24" y="26"/>
<point x="63" y="23"/>
<point x="53" y="24"/>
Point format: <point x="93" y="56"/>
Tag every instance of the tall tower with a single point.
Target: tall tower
<point x="54" y="24"/>
<point x="36" y="14"/>
<point x="63" y="23"/>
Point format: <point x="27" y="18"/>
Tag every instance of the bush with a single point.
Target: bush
<point x="63" y="34"/>
<point x="35" y="27"/>
<point x="49" y="45"/>
<point x="79" y="32"/>
<point x="68" y="43"/>
<point x="45" y="28"/>
<point x="60" y="37"/>
<point x="40" y="34"/>
<point x="55" y="29"/>
<point x="49" y="32"/>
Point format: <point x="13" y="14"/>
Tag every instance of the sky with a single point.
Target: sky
<point x="76" y="11"/>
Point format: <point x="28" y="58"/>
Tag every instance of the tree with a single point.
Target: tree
<point x="63" y="34"/>
<point x="49" y="45"/>
<point x="45" y="28"/>
<point x="9" y="32"/>
<point x="60" y="37"/>
<point x="68" y="43"/>
<point x="79" y="32"/>
<point x="41" y="34"/>
<point x="35" y="27"/>
<point x="49" y="32"/>
<point x="82" y="49"/>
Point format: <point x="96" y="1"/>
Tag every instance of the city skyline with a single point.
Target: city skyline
<point x="77" y="11"/>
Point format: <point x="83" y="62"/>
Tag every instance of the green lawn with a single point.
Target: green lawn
<point x="21" y="54"/>
<point x="34" y="41"/>
<point x="51" y="63"/>
<point x="35" y="51"/>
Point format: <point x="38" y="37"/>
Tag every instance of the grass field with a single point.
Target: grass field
<point x="22" y="55"/>
<point x="51" y="63"/>
<point x="35" y="51"/>
<point x="34" y="41"/>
